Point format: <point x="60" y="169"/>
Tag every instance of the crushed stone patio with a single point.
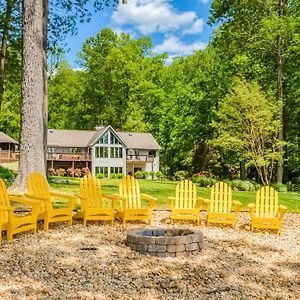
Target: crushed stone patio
<point x="93" y="262"/>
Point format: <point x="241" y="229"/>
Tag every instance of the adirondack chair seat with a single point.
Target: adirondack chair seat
<point x="11" y="222"/>
<point x="131" y="206"/>
<point x="266" y="213"/>
<point x="38" y="189"/>
<point x="185" y="205"/>
<point x="221" y="209"/>
<point x="94" y="204"/>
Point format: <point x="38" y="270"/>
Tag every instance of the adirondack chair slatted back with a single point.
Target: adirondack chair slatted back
<point x="185" y="195"/>
<point x="4" y="201"/>
<point x="130" y="189"/>
<point x="266" y="202"/>
<point x="221" y="198"/>
<point x="90" y="188"/>
<point x="37" y="185"/>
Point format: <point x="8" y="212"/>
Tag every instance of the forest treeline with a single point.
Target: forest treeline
<point x="232" y="109"/>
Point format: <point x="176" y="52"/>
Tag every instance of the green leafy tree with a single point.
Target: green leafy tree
<point x="247" y="123"/>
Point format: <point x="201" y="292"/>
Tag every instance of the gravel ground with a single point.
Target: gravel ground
<point x="93" y="262"/>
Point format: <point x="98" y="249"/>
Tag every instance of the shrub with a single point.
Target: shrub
<point x="241" y="185"/>
<point x="152" y="174"/>
<point x="71" y="172"/>
<point x="61" y="172"/>
<point x="7" y="175"/>
<point x="280" y="187"/>
<point x="78" y="172"/>
<point x="100" y="175"/>
<point x="120" y="175"/>
<point x="146" y="174"/>
<point x="181" y="175"/>
<point x="204" y="181"/>
<point x="139" y="175"/>
<point x="159" y="174"/>
<point x="52" y="171"/>
<point x="85" y="171"/>
<point x="113" y="176"/>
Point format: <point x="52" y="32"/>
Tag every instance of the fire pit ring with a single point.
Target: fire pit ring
<point x="165" y="242"/>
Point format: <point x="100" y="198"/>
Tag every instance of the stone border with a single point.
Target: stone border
<point x="165" y="242"/>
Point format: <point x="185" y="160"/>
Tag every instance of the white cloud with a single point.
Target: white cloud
<point x="204" y="1"/>
<point x="150" y="16"/>
<point x="196" y="27"/>
<point x="174" y="46"/>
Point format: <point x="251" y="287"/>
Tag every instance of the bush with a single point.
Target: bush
<point x="7" y="175"/>
<point x="71" y="172"/>
<point x="120" y="175"/>
<point x="85" y="171"/>
<point x="181" y="175"/>
<point x="241" y="185"/>
<point x="152" y="174"/>
<point x="159" y="174"/>
<point x="114" y="176"/>
<point x="280" y="187"/>
<point x="52" y="171"/>
<point x="100" y="175"/>
<point x="78" y="172"/>
<point x="61" y="172"/>
<point x="139" y="175"/>
<point x="146" y="174"/>
<point x="204" y="181"/>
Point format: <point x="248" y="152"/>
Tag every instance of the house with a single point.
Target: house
<point x="103" y="150"/>
<point x="8" y="148"/>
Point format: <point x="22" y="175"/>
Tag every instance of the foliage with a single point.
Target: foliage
<point x="204" y="181"/>
<point x="100" y="175"/>
<point x="139" y="175"/>
<point x="61" y="172"/>
<point x="181" y="175"/>
<point x="159" y="174"/>
<point x="280" y="187"/>
<point x="242" y="185"/>
<point x="7" y="175"/>
<point x="247" y="124"/>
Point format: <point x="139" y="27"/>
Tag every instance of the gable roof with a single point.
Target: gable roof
<point x="139" y="140"/>
<point x="86" y="138"/>
<point x="4" y="138"/>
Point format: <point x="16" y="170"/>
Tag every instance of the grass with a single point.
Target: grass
<point x="163" y="189"/>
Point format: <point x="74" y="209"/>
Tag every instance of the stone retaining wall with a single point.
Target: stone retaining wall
<point x="165" y="242"/>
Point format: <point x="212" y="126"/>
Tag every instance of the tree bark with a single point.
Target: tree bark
<point x="34" y="93"/>
<point x="3" y="51"/>
<point x="280" y="90"/>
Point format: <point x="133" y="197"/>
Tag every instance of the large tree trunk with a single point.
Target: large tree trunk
<point x="9" y="7"/>
<point x="280" y="89"/>
<point x="34" y="95"/>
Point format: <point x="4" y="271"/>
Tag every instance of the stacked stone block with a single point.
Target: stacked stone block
<point x="165" y="242"/>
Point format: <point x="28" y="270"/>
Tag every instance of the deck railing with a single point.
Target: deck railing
<point x="69" y="156"/>
<point x="8" y="156"/>
<point x="140" y="158"/>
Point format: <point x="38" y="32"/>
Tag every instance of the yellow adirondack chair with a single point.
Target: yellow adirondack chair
<point x="266" y="213"/>
<point x="38" y="189"/>
<point x="131" y="201"/>
<point x="94" y="204"/>
<point x="185" y="205"/>
<point x="221" y="208"/>
<point x="9" y="221"/>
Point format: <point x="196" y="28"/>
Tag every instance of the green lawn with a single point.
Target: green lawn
<point x="163" y="189"/>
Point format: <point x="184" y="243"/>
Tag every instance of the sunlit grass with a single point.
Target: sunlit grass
<point x="163" y="189"/>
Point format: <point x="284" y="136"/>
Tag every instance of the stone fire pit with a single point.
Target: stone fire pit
<point x="165" y="242"/>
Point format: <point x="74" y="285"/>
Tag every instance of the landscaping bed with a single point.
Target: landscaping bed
<point x="94" y="262"/>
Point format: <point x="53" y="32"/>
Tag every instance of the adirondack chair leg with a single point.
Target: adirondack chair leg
<point x="9" y="235"/>
<point x="84" y="221"/>
<point x="70" y="222"/>
<point x="34" y="230"/>
<point x="124" y="221"/>
<point x="112" y="222"/>
<point x="198" y="222"/>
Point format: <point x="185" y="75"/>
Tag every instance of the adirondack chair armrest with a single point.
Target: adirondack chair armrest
<point x="6" y="208"/>
<point x="27" y="201"/>
<point x="114" y="199"/>
<point x="251" y="208"/>
<point x="237" y="206"/>
<point x="171" y="201"/>
<point x="122" y="199"/>
<point x="152" y="200"/>
<point x="206" y="203"/>
<point x="281" y="210"/>
<point x="71" y="198"/>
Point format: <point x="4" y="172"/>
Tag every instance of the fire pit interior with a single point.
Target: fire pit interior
<point x="165" y="242"/>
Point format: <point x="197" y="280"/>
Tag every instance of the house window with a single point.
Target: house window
<point x="116" y="152"/>
<point x="116" y="170"/>
<point x="114" y="140"/>
<point x="152" y="153"/>
<point x="102" y="170"/>
<point x="101" y="152"/>
<point x="104" y="139"/>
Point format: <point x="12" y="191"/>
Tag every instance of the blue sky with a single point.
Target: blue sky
<point x="177" y="27"/>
